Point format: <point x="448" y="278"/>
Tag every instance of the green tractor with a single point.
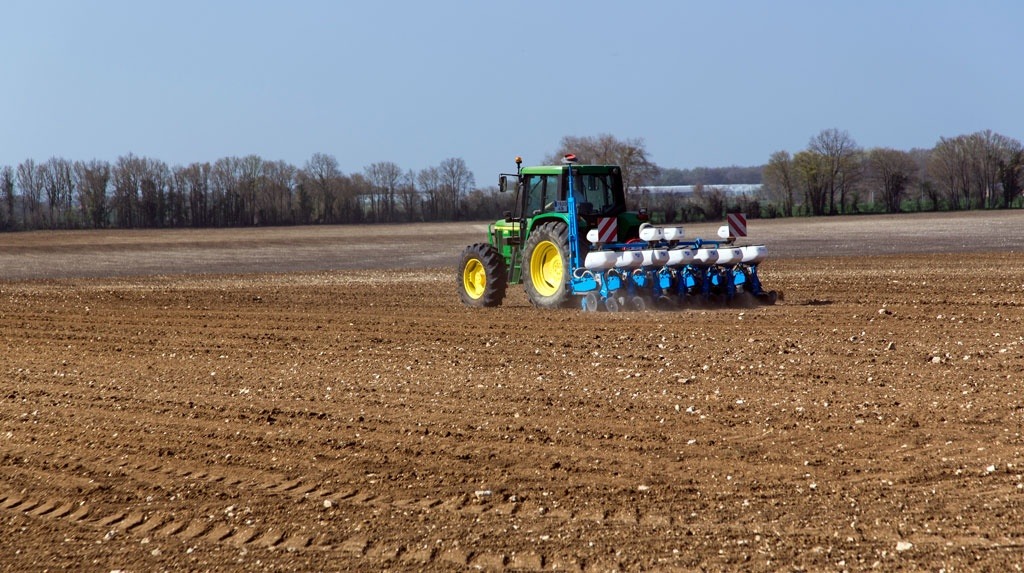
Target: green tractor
<point x="531" y="244"/>
<point x="572" y="242"/>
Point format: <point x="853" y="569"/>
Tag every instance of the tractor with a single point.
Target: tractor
<point x="572" y="242"/>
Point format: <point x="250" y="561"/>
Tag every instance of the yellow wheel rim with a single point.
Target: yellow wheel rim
<point x="474" y="278"/>
<point x="546" y="268"/>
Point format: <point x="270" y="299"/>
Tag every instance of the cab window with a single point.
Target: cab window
<point x="542" y="192"/>
<point x="596" y="190"/>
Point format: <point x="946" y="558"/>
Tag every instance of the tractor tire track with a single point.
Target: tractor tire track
<point x="173" y="523"/>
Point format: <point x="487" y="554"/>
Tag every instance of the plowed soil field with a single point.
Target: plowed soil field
<point x="318" y="399"/>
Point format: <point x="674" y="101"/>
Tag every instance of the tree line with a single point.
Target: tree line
<point x="833" y="175"/>
<point x="142" y="192"/>
<point x="731" y="175"/>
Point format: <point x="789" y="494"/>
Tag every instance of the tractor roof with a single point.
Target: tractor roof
<point x="556" y="169"/>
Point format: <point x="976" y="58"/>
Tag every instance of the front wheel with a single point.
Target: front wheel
<point x="482" y="276"/>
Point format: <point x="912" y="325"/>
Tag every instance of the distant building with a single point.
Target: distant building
<point x="748" y="189"/>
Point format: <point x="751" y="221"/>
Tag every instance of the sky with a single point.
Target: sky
<point x="701" y="83"/>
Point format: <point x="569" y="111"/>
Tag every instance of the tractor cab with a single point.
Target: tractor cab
<point x="542" y="198"/>
<point x="540" y="190"/>
<point x="598" y="192"/>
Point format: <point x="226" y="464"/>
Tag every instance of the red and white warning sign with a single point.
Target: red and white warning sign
<point x="607" y="229"/>
<point x="737" y="224"/>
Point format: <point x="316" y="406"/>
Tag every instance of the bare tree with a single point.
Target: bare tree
<point x="840" y="153"/>
<point x="353" y="189"/>
<point x="384" y="178"/>
<point x="456" y="180"/>
<point x="984" y="148"/>
<point x="950" y="167"/>
<point x="7" y="216"/>
<point x="321" y="180"/>
<point x="629" y="154"/>
<point x="892" y="171"/>
<point x="140" y="187"/>
<point x="429" y="182"/>
<point x="92" y="180"/>
<point x="176" y="202"/>
<point x="30" y="181"/>
<point x="977" y="170"/>
<point x="812" y="171"/>
<point x="925" y="189"/>
<point x="250" y="183"/>
<point x="1011" y="175"/>
<point x="991" y="154"/>
<point x="58" y="184"/>
<point x="779" y="179"/>
<point x="154" y="186"/>
<point x="193" y="184"/>
<point x="851" y="180"/>
<point x="408" y="195"/>
<point x="323" y="194"/>
<point x="125" y="192"/>
<point x="274" y="202"/>
<point x="226" y="191"/>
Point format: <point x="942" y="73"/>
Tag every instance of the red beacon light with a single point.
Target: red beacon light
<point x="569" y="158"/>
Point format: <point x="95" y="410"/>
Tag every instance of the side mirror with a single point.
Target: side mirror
<point x="502" y="184"/>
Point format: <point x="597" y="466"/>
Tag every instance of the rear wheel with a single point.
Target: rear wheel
<point x="546" y="262"/>
<point x="482" y="276"/>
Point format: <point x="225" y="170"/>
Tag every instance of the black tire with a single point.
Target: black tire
<point x="482" y="277"/>
<point x="546" y="266"/>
